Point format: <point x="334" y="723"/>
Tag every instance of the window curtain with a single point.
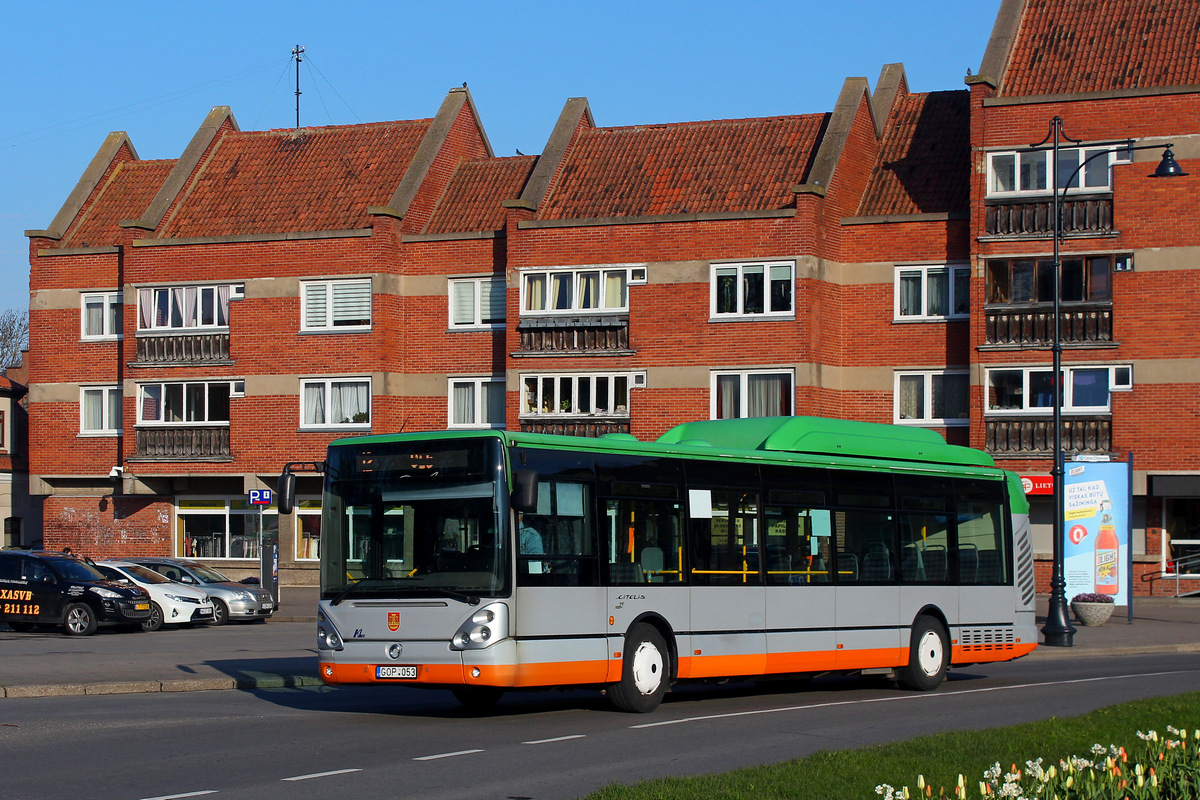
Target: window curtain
<point x="145" y="309"/>
<point x="912" y="397"/>
<point x="535" y="292"/>
<point x="939" y="292"/>
<point x="463" y="302"/>
<point x="316" y="304"/>
<point x="93" y="409"/>
<point x="93" y="317"/>
<point x="352" y="303"/>
<point x="464" y="404"/>
<point x="615" y="289"/>
<point x="114" y="409"/>
<point x="314" y="404"/>
<point x="729" y="401"/>
<point x="177" y="305"/>
<point x="491" y="301"/>
<point x="910" y="293"/>
<point x="589" y="290"/>
<point x="349" y="403"/>
<point x="560" y="290"/>
<point x="768" y="395"/>
<point x="223" y="305"/>
<point x="191" y="307"/>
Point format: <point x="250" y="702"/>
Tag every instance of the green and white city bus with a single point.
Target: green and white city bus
<point x="485" y="561"/>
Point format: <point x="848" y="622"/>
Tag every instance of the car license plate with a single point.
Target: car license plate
<point x="142" y="606"/>
<point x="205" y="612"/>
<point x="395" y="672"/>
<point x="267" y="606"/>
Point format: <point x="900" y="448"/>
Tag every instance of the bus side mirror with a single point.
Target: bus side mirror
<point x="285" y="493"/>
<point x="525" y="491"/>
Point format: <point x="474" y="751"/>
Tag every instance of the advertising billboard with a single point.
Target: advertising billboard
<point x="1096" y="526"/>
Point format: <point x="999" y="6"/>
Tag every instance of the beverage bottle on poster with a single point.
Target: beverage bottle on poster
<point x="1107" y="547"/>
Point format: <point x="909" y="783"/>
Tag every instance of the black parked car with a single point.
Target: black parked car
<point x="43" y="588"/>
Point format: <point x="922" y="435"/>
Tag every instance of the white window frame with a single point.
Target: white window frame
<point x="479" y="387"/>
<point x="1069" y="158"/>
<point x="927" y="419"/>
<point x="172" y="296"/>
<point x="475" y="285"/>
<point x="740" y="313"/>
<point x="327" y="384"/>
<point x="331" y="288"/>
<point x="110" y="400"/>
<point x="307" y="506"/>
<point x="552" y="275"/>
<point x="199" y="423"/>
<point x="1120" y="379"/>
<point x="112" y="307"/>
<point x="232" y="506"/>
<point x="743" y="376"/>
<point x="952" y="271"/>
<point x="557" y="394"/>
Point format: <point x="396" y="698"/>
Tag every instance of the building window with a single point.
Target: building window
<point x="1027" y="173"/>
<point x="937" y="292"/>
<point x="222" y="527"/>
<point x="592" y="394"/>
<point x="192" y="403"/>
<point x="758" y="393"/>
<point x="335" y="402"/>
<point x="100" y="410"/>
<point x="476" y="403"/>
<point x="328" y="305"/>
<point x="938" y="397"/>
<point x="762" y="289"/>
<point x="574" y="291"/>
<point x="476" y="303"/>
<point x="308" y="529"/>
<point x="183" y="307"/>
<point x="1086" y="279"/>
<point x="1086" y="390"/>
<point x="101" y="317"/>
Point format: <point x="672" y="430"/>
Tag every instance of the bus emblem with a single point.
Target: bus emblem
<point x="393" y="620"/>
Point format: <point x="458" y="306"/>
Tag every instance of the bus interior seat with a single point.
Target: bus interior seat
<point x="652" y="563"/>
<point x="968" y="563"/>
<point x="936" y="564"/>
<point x="989" y="566"/>
<point x="877" y="565"/>
<point x="847" y="567"/>
<point x="625" y="572"/>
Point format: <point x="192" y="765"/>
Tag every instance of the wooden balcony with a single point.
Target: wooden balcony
<point x="575" y="426"/>
<point x="182" y="348"/>
<point x="1034" y="325"/>
<point x="183" y="443"/>
<point x="1035" y="435"/>
<point x="595" y="335"/>
<point x="1081" y="215"/>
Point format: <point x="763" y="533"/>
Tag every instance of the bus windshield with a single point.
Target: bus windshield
<point x="415" y="518"/>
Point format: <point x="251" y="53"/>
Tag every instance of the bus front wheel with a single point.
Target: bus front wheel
<point x="644" y="673"/>
<point x="928" y="656"/>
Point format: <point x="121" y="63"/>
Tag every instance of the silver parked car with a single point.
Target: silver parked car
<point x="231" y="600"/>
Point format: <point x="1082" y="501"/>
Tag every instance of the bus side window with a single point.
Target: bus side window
<point x="643" y="540"/>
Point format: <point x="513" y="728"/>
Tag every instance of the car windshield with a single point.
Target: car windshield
<point x="144" y="575"/>
<point x="208" y="574"/>
<point x="74" y="570"/>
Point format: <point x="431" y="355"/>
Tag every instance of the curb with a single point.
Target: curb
<point x="147" y="687"/>
<point x="1044" y="652"/>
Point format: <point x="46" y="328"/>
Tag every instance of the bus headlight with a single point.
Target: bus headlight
<point x="327" y="635"/>
<point x="485" y="627"/>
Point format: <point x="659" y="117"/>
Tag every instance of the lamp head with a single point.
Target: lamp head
<point x="1168" y="167"/>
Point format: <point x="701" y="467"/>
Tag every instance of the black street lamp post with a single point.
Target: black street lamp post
<point x="1058" y="631"/>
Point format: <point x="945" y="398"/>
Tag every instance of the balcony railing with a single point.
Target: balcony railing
<point x="589" y="335"/>
<point x="1035" y="436"/>
<point x="183" y="443"/>
<point x="1080" y="215"/>
<point x="182" y="348"/>
<point x="1078" y="323"/>
<point x="575" y="426"/>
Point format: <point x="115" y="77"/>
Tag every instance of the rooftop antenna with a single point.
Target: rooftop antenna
<point x="298" y="53"/>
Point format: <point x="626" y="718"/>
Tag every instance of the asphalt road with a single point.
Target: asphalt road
<point x="400" y="742"/>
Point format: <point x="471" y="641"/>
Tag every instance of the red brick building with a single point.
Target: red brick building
<point x="195" y="323"/>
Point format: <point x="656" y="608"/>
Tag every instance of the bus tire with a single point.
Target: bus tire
<point x="478" y="698"/>
<point x="928" y="656"/>
<point x="645" y="671"/>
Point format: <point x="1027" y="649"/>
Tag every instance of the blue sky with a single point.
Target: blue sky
<point x="73" y="71"/>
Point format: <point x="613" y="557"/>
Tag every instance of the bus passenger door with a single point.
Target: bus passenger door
<point x="799" y="593"/>
<point x="867" y="612"/>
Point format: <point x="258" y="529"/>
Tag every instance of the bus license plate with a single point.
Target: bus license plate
<point x="395" y="672"/>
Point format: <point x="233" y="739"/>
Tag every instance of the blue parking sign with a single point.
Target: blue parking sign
<point x="261" y="497"/>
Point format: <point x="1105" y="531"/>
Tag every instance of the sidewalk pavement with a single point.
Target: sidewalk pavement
<point x="282" y="652"/>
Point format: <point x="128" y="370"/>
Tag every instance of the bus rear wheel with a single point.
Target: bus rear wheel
<point x="644" y="673"/>
<point x="928" y="656"/>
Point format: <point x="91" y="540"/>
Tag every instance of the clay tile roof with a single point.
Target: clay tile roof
<point x="288" y="181"/>
<point x="924" y="160"/>
<point x="472" y="198"/>
<point x="1067" y="46"/>
<point x="128" y="191"/>
<point x="685" y="168"/>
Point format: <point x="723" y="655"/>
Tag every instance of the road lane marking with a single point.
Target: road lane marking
<point x="320" y="774"/>
<point x="447" y="755"/>
<point x="185" y="794"/>
<point x="556" y="739"/>
<point x="810" y="706"/>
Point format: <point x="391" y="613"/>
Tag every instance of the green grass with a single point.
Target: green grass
<point x="855" y="773"/>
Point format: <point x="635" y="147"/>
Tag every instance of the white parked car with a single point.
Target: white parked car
<point x="171" y="602"/>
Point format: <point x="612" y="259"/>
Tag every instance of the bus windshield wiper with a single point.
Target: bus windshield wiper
<point x="345" y="592"/>
<point x="469" y="599"/>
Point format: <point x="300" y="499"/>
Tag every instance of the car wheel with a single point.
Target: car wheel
<point x="21" y="627"/>
<point x="478" y="698"/>
<point x="220" y="613"/>
<point x="155" y="620"/>
<point x="80" y="620"/>
<point x="928" y="656"/>
<point x="645" y="672"/>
